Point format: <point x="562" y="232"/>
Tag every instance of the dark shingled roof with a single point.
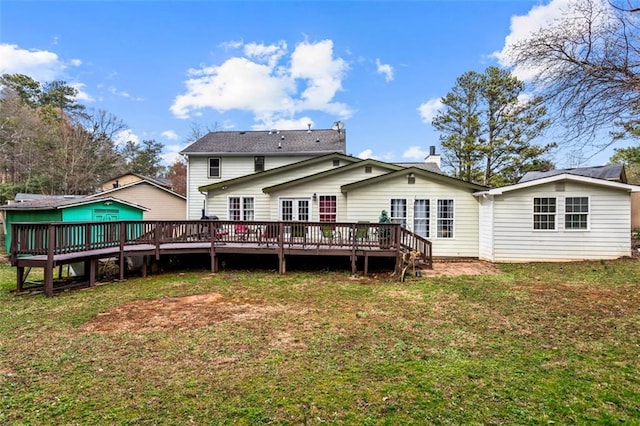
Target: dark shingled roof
<point x="614" y="173"/>
<point x="270" y="141"/>
<point x="59" y="202"/>
<point x="432" y="167"/>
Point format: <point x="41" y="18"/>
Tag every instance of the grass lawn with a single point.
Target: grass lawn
<point x="534" y="344"/>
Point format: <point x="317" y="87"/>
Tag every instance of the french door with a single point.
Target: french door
<point x="295" y="209"/>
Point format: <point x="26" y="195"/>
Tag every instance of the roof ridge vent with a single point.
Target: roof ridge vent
<point x="308" y="127"/>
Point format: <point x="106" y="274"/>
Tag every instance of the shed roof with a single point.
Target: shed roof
<point x="270" y="142"/>
<point x="56" y="203"/>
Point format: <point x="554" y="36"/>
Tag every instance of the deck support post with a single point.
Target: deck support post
<point x="145" y="259"/>
<point x="49" y="265"/>
<point x="20" y="278"/>
<point x="366" y="263"/>
<point x="92" y="272"/>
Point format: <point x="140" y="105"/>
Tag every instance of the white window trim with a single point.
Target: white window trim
<point x="404" y="220"/>
<point x="533" y="213"/>
<point x="588" y="228"/>
<point x="242" y="198"/>
<point x="453" y="219"/>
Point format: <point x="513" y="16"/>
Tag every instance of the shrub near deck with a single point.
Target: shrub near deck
<point x="531" y="344"/>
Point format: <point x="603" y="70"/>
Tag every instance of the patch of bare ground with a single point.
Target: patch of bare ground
<point x="177" y="313"/>
<point x="461" y="267"/>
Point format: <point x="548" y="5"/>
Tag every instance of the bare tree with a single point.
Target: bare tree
<point x="587" y="65"/>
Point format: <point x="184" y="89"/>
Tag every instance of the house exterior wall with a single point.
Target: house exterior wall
<point x="218" y="200"/>
<point x="162" y="205"/>
<point x="607" y="236"/>
<point x="17" y="216"/>
<point x="122" y="181"/>
<point x="87" y="212"/>
<point x="326" y="186"/>
<point x="366" y="204"/>
<point x="231" y="167"/>
<point x="485" y="217"/>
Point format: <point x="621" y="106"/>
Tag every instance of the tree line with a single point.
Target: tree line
<point x="51" y="144"/>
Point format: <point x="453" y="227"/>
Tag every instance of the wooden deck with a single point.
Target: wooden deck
<point x="50" y="245"/>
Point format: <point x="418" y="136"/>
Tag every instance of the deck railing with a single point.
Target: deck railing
<point x="29" y="239"/>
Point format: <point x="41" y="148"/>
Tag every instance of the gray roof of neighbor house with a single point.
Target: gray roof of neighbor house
<point x="613" y="172"/>
<point x="432" y="167"/>
<point x="270" y="142"/>
<point x="61" y="202"/>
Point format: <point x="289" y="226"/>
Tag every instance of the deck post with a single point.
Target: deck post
<point x="212" y="251"/>
<point x="48" y="268"/>
<point x="282" y="265"/>
<point x="354" y="239"/>
<point x="366" y="262"/>
<point x="121" y="261"/>
<point x="92" y="272"/>
<point x="20" y="278"/>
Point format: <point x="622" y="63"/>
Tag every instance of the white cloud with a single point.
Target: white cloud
<point x="429" y="109"/>
<point x="41" y="65"/>
<point x="524" y="26"/>
<point x="367" y="153"/>
<point x="172" y="154"/>
<point x="170" y="134"/>
<point x="232" y="44"/>
<point x="75" y="62"/>
<point x="285" y="124"/>
<point x="415" y="153"/>
<point x="82" y="95"/>
<point x="124" y="94"/>
<point x="124" y="136"/>
<point x="385" y="69"/>
<point x="268" y="85"/>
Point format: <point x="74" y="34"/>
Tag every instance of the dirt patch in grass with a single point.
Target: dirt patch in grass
<point x="202" y="310"/>
<point x="177" y="313"/>
<point x="456" y="268"/>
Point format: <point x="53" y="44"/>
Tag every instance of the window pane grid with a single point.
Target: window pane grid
<point x="421" y="222"/>
<point x="327" y="208"/>
<point x="399" y="211"/>
<point x="577" y="213"/>
<point x="544" y="210"/>
<point x="445" y="224"/>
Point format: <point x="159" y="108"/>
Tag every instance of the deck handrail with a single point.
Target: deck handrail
<point x="32" y="238"/>
<point x="411" y="242"/>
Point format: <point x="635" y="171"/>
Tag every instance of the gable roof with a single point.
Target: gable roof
<point x="276" y="170"/>
<point x="432" y="167"/>
<point x="566" y="177"/>
<point x="138" y="182"/>
<point x="416" y="171"/>
<point x="325" y="173"/>
<point x="612" y="172"/>
<point x="158" y="180"/>
<point x="57" y="203"/>
<point x="269" y="142"/>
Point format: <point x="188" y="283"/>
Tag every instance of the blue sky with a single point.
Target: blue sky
<point x="164" y="66"/>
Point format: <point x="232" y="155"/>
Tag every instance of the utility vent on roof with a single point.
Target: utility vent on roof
<point x="560" y="187"/>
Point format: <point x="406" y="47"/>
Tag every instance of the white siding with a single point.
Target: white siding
<point x="367" y="202"/>
<point x="162" y="205"/>
<point x="231" y="167"/>
<point x="486" y="227"/>
<point x="327" y="186"/>
<point x="608" y="236"/>
<point x="266" y="206"/>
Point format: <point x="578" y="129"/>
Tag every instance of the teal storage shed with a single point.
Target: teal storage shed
<point x="69" y="209"/>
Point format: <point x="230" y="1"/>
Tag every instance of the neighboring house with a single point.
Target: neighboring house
<point x="559" y="217"/>
<point x="129" y="178"/>
<point x="161" y="203"/>
<point x="69" y="209"/>
<point x="220" y="156"/>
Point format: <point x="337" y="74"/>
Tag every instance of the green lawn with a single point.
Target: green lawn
<point x="535" y="344"/>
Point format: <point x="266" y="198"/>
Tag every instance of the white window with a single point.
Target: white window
<point x="399" y="211"/>
<point x="445" y="219"/>
<point x="214" y="167"/>
<point x="421" y="222"/>
<point x="576" y="211"/>
<point x="544" y="213"/>
<point x="241" y="208"/>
